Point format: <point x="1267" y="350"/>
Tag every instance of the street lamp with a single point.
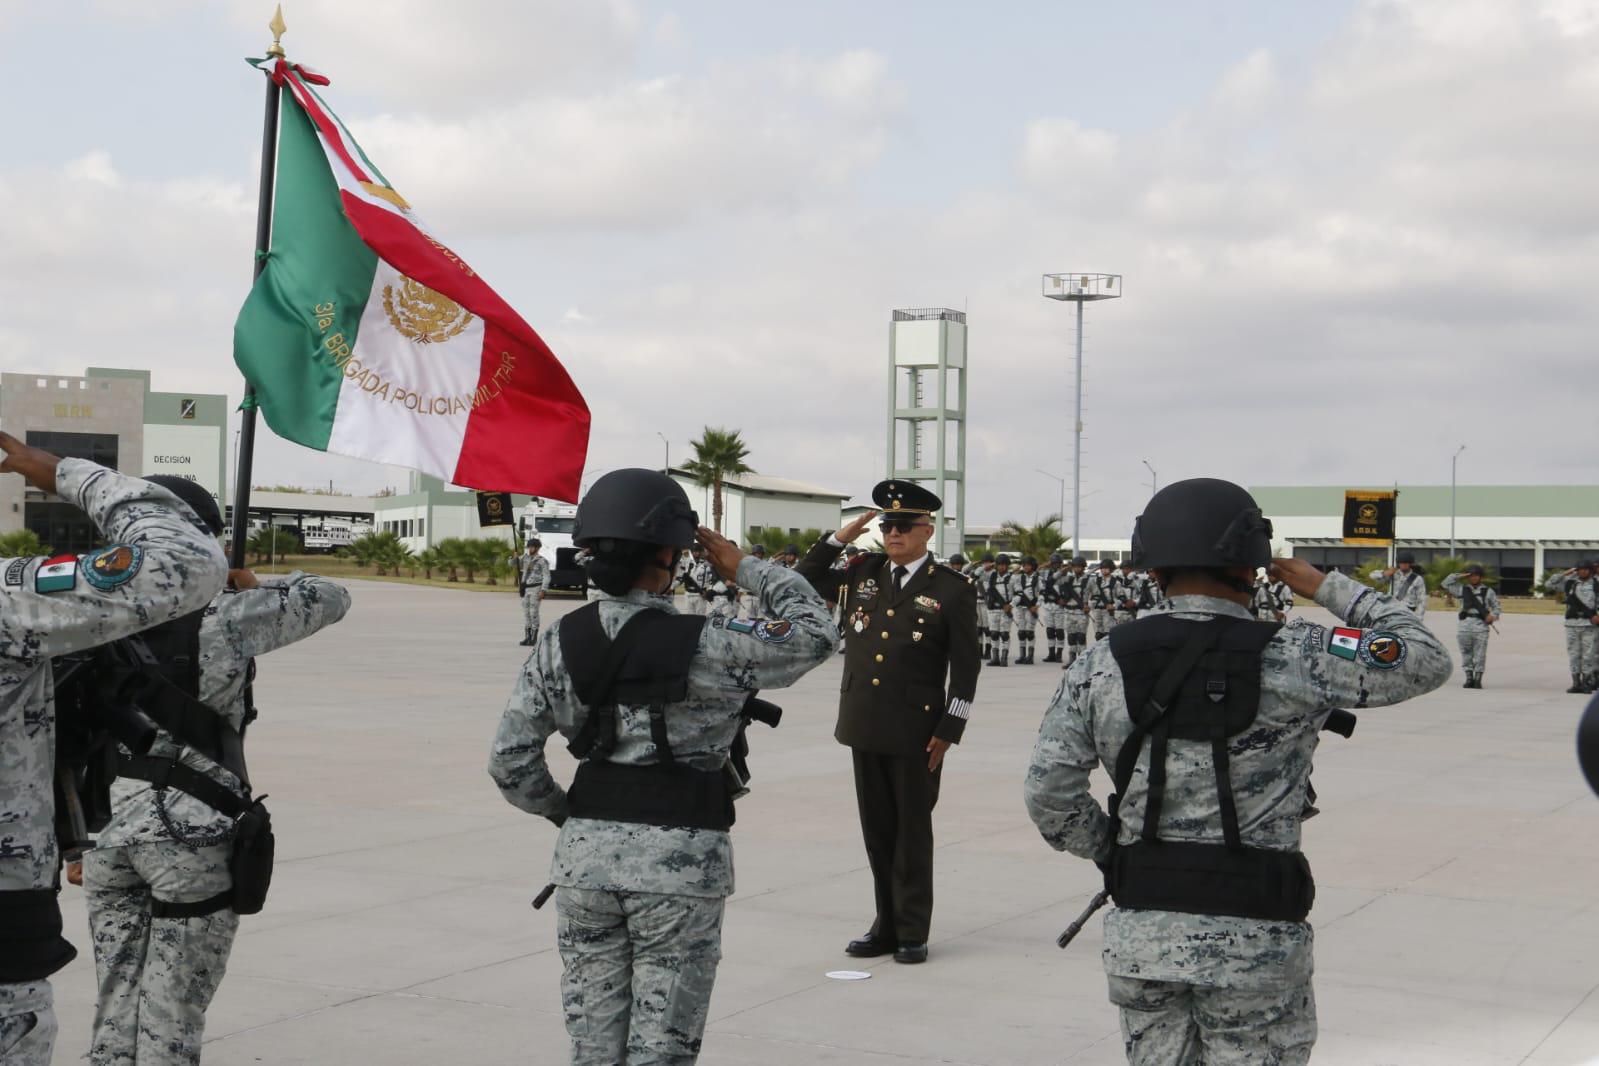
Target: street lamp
<point x="1079" y="289"/>
<point x="1057" y="477"/>
<point x="1453" y="461"/>
<point x="667" y="469"/>
<point x="1152" y="482"/>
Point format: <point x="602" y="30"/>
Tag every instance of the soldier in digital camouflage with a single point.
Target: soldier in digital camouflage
<point x="1207" y="952"/>
<point x="1580" y="588"/>
<point x="158" y="564"/>
<point x="532" y="582"/>
<point x="158" y="881"/>
<point x="1479" y="610"/>
<point x="651" y="701"/>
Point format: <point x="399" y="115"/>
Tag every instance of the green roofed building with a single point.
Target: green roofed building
<point x="1522" y="531"/>
<point x="112" y="417"/>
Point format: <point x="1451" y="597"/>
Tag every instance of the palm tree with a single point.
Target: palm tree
<point x="430" y="560"/>
<point x="775" y="540"/>
<point x="274" y="542"/>
<point x="1040" y="541"/>
<point x="717" y="454"/>
<point x="462" y="554"/>
<point x="489" y="557"/>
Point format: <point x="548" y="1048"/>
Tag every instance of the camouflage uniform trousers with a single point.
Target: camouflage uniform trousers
<point x="27" y="1023"/>
<point x="999" y="624"/>
<point x="1103" y="621"/>
<point x="1076" y="634"/>
<point x="637" y="974"/>
<point x="157" y="975"/>
<point x="1472" y="635"/>
<point x="1169" y="1024"/>
<point x="1053" y="615"/>
<point x="532" y="600"/>
<point x="1582" y="646"/>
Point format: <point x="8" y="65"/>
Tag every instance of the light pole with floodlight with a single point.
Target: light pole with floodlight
<point x="1079" y="289"/>
<point x="1453" y="460"/>
<point x="1154" y="485"/>
<point x="1056" y="477"/>
<point x="667" y="469"/>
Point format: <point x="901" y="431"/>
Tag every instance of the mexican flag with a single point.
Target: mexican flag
<point x="1344" y="643"/>
<point x="367" y="336"/>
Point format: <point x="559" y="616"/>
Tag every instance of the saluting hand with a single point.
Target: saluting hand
<point x="850" y="533"/>
<point x="1300" y="577"/>
<point x="37" y="466"/>
<point x="724" y="554"/>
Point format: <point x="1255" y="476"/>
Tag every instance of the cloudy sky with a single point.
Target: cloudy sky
<point x="1354" y="234"/>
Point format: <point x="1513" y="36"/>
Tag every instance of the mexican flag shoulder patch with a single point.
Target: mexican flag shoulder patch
<point x="58" y="574"/>
<point x="1344" y="643"/>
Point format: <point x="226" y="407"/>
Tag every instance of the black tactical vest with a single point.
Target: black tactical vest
<point x="1575" y="608"/>
<point x="1196" y="681"/>
<point x="645" y="665"/>
<point x="1473" y="602"/>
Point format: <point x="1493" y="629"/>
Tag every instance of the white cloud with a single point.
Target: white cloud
<point x="645" y="154"/>
<point x="1330" y="268"/>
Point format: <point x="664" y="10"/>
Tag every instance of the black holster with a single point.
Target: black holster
<point x="31" y="945"/>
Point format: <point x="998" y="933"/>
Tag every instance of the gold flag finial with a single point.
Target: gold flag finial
<point x="278" y="29"/>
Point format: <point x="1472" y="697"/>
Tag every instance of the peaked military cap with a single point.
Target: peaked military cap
<point x="904" y="499"/>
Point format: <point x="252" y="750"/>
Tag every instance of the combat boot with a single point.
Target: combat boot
<point x="988" y="653"/>
<point x="1471" y="680"/>
<point x="1479" y="680"/>
<point x="1576" y="685"/>
<point x="1590" y="683"/>
<point x="527" y="638"/>
<point x="1001" y="656"/>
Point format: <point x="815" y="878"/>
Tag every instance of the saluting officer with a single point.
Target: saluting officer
<point x="158" y="564"/>
<point x="1207" y="722"/>
<point x="1101" y="596"/>
<point x="1024" y="609"/>
<point x="650" y="701"/>
<point x="1581" y="591"/>
<point x="1405" y="583"/>
<point x="1074" y="600"/>
<point x="1050" y="608"/>
<point x="1479" y="609"/>
<point x="909" y="624"/>
<point x="996" y="592"/>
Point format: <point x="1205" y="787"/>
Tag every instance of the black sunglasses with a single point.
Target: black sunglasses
<point x="898" y="525"/>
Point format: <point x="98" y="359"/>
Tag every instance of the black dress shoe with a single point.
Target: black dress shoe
<point x="869" y="947"/>
<point x="911" y="953"/>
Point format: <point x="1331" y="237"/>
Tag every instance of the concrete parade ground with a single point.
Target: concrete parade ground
<point x="1456" y="858"/>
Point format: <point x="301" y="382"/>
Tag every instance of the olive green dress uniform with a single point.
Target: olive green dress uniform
<point x="910" y="674"/>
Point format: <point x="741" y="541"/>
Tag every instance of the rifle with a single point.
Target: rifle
<point x="1100" y="899"/>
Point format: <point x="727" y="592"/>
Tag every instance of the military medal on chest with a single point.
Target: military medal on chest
<point x="858" y="620"/>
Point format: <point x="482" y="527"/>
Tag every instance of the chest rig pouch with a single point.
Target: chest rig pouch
<point x="1473" y="603"/>
<point x="1196" y="681"/>
<point x="646" y="664"/>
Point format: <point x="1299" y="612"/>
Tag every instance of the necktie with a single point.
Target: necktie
<point x="899" y="577"/>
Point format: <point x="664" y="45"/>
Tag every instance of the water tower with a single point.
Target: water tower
<point x="927" y="412"/>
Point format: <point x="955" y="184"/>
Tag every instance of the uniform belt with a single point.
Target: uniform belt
<point x="163" y="773"/>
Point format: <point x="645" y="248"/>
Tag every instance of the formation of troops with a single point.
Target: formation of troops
<point x="1194" y="672"/>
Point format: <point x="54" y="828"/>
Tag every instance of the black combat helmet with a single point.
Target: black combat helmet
<point x="957" y="559"/>
<point x="1028" y="560"/>
<point x="792" y="549"/>
<point x="634" y="504"/>
<point x="201" y="502"/>
<point x="1201" y="523"/>
<point x="1406" y="557"/>
<point x="1475" y="568"/>
<point x="1056" y="558"/>
<point x="1078" y="560"/>
<point x="1002" y="560"/>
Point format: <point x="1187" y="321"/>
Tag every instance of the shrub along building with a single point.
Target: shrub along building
<point x="1520" y="531"/>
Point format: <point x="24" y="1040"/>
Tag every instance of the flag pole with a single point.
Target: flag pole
<point x="263" y="241"/>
